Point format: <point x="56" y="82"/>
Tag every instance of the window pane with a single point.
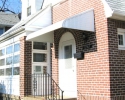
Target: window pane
<point x="2" y="52"/>
<point x="16" y="71"/>
<point x="9" y="71"/>
<point x="8" y="60"/>
<point x="68" y="56"/>
<point x="9" y="49"/>
<point x="16" y="59"/>
<point x="68" y="51"/>
<point x="44" y="69"/>
<point x="40" y="45"/>
<point x="28" y="11"/>
<point x="120" y="38"/>
<point x="1" y="31"/>
<point x="16" y="47"/>
<point x="38" y="69"/>
<point x="39" y="57"/>
<point x="2" y="62"/>
<point x="1" y="72"/>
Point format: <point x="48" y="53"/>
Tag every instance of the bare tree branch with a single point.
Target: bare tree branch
<point x="3" y="4"/>
<point x="7" y="6"/>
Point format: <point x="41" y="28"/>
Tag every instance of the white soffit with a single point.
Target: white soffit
<point x="83" y="21"/>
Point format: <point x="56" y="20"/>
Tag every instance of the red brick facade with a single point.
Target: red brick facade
<point x="100" y="75"/>
<point x="25" y="66"/>
<point x="96" y="77"/>
<point x="116" y="59"/>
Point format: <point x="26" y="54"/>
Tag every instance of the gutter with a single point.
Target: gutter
<point x="118" y="13"/>
<point x="12" y="32"/>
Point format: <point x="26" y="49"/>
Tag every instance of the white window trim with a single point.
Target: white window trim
<point x="47" y="63"/>
<point x="123" y="39"/>
<point x="121" y="31"/>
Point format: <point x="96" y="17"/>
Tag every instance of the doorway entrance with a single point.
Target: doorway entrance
<point x="67" y="65"/>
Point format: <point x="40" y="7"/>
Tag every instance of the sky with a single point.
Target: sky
<point x="14" y="5"/>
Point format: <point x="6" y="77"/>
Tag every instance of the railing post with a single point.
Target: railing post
<point x="62" y="95"/>
<point x="45" y="86"/>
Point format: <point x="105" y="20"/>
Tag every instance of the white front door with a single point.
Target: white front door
<point x="67" y="67"/>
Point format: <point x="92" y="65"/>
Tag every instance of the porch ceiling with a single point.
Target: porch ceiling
<point x="82" y="21"/>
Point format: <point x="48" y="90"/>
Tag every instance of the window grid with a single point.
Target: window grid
<point x="121" y="39"/>
<point x="44" y="50"/>
<point x="12" y="65"/>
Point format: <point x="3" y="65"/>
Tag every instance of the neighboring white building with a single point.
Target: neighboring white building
<point x="36" y="14"/>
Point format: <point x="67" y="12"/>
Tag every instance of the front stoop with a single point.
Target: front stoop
<point x="42" y="98"/>
<point x="70" y="99"/>
<point x="34" y="98"/>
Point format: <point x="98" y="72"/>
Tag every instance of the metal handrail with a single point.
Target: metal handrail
<point x="43" y="85"/>
<point x="80" y="96"/>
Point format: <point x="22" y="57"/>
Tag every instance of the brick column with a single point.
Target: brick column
<point x="25" y="66"/>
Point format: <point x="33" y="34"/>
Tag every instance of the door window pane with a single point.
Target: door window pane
<point x="68" y="56"/>
<point x="8" y="71"/>
<point x="2" y="52"/>
<point x="2" y="62"/>
<point x="38" y="69"/>
<point x="9" y="49"/>
<point x="16" y="47"/>
<point x="16" y="59"/>
<point x="16" y="71"/>
<point x="40" y="45"/>
<point x="68" y="51"/>
<point x="44" y="69"/>
<point x="8" y="60"/>
<point x="39" y="57"/>
<point x="1" y="72"/>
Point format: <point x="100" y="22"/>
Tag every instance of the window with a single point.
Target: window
<point x="16" y="47"/>
<point x="68" y="51"/>
<point x="2" y="62"/>
<point x="39" y="57"/>
<point x="38" y="69"/>
<point x="9" y="49"/>
<point x="2" y="52"/>
<point x="8" y="71"/>
<point x="29" y="11"/>
<point x="1" y="31"/>
<point x="9" y="61"/>
<point x="40" y="45"/>
<point x="16" y="59"/>
<point x="40" y="60"/>
<point x="16" y="71"/>
<point x="1" y="72"/>
<point x="68" y="56"/>
<point x="121" y="39"/>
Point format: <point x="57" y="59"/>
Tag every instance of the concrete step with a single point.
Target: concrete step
<point x="33" y="98"/>
<point x="42" y="98"/>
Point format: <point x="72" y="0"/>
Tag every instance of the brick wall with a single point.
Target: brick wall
<point x="93" y="76"/>
<point x="117" y="59"/>
<point x="25" y="67"/>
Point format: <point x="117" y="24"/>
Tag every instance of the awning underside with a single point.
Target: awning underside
<point x="83" y="21"/>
